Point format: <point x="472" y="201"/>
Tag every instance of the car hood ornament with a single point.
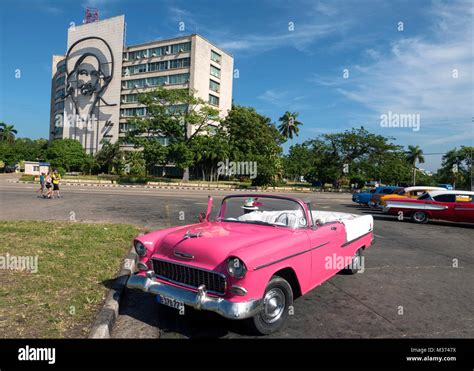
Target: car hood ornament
<point x="188" y="234"/>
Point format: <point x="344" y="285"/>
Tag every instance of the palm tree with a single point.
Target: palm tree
<point x="414" y="154"/>
<point x="110" y="156"/>
<point x="7" y="132"/>
<point x="289" y="124"/>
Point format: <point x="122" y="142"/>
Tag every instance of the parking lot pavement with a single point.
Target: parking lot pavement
<point x="418" y="279"/>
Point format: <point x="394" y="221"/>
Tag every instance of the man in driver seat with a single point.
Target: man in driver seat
<point x="249" y="206"/>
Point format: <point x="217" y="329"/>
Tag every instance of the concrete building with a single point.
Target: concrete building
<point x="95" y="86"/>
<point x="36" y="168"/>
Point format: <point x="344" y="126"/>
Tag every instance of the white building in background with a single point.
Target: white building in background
<point x="95" y="86"/>
<point x="36" y="168"/>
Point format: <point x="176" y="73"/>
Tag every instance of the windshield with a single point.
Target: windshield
<point x="263" y="210"/>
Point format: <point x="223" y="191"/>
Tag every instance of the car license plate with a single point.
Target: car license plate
<point x="173" y="303"/>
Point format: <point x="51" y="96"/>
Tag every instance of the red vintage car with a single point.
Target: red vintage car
<point x="454" y="206"/>
<point x="260" y="253"/>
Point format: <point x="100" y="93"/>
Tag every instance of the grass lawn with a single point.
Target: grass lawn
<point x="74" y="262"/>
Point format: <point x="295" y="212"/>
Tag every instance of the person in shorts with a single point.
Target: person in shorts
<point x="41" y="180"/>
<point x="48" y="182"/>
<point x="56" y="178"/>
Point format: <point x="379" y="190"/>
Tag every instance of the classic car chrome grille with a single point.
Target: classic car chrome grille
<point x="190" y="276"/>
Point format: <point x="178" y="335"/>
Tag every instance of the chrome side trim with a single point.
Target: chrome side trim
<point x="290" y="256"/>
<point x="199" y="300"/>
<point x="464" y="208"/>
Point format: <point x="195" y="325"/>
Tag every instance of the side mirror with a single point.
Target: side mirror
<point x="202" y="217"/>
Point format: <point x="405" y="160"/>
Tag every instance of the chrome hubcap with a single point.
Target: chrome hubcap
<point x="274" y="305"/>
<point x="356" y="261"/>
<point x="419" y="216"/>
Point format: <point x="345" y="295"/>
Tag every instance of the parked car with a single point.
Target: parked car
<point x="10" y="169"/>
<point x="455" y="206"/>
<point x="410" y="192"/>
<point x="447" y="186"/>
<point x="365" y="197"/>
<point x="260" y="253"/>
<point x="363" y="193"/>
<point x="375" y="199"/>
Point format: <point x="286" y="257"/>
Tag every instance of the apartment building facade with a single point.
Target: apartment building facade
<point x="95" y="86"/>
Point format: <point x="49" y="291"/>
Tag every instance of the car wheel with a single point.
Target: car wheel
<point x="277" y="301"/>
<point x="356" y="263"/>
<point x="419" y="217"/>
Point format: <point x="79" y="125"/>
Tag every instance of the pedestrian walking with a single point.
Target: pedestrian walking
<point x="56" y="178"/>
<point x="49" y="186"/>
<point x="41" y="180"/>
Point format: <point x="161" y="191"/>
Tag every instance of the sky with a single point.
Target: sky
<point x="340" y="64"/>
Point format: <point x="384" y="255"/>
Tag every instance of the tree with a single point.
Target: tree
<point x="299" y="162"/>
<point x="23" y="149"/>
<point x="456" y="167"/>
<point x="352" y="156"/>
<point x="7" y="132"/>
<point x="414" y="154"/>
<point x="254" y="138"/>
<point x="110" y="158"/>
<point x="289" y="124"/>
<point x="136" y="163"/>
<point x="67" y="154"/>
<point x="177" y="115"/>
<point x="208" y="150"/>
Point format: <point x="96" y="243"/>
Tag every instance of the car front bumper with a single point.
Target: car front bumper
<point x="198" y="300"/>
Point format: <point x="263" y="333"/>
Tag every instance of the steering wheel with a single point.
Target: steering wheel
<point x="285" y="219"/>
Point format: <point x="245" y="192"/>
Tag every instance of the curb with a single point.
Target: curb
<point x="269" y="190"/>
<point x="105" y="320"/>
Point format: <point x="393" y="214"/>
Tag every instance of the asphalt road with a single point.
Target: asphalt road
<point x="411" y="286"/>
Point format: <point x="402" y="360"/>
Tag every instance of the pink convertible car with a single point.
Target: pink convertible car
<point x="260" y="253"/>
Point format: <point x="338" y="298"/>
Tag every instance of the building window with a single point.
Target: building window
<point x="177" y="108"/>
<point x="215" y="57"/>
<point x="214" y="100"/>
<point x="125" y="127"/>
<point x="215" y="71"/>
<point x="131" y="112"/>
<point x="130" y="84"/>
<point x="158" y="66"/>
<point x="130" y="98"/>
<point x="179" y="63"/>
<point x="157" y="81"/>
<point x="156" y="52"/>
<point x="59" y="106"/>
<point x="60" y="80"/>
<point x="138" y="54"/>
<point x="180" y="48"/>
<point x="59" y="94"/>
<point x="180" y="78"/>
<point x="214" y="86"/>
<point x="139" y="68"/>
<point x="61" y="67"/>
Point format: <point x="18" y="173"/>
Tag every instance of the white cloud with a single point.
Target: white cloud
<point x="284" y="99"/>
<point x="417" y="75"/>
<point x="300" y="38"/>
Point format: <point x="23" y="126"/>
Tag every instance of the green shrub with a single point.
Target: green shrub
<point x="27" y="178"/>
<point x="132" y="180"/>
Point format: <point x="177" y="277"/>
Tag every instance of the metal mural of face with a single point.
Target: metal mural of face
<point x="90" y="75"/>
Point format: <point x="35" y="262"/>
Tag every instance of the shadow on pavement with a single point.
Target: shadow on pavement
<point x="192" y="324"/>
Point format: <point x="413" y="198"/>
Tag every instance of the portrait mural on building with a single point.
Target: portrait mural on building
<point x="89" y="71"/>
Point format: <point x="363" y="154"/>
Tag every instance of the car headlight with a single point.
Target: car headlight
<point x="140" y="248"/>
<point x="236" y="267"/>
